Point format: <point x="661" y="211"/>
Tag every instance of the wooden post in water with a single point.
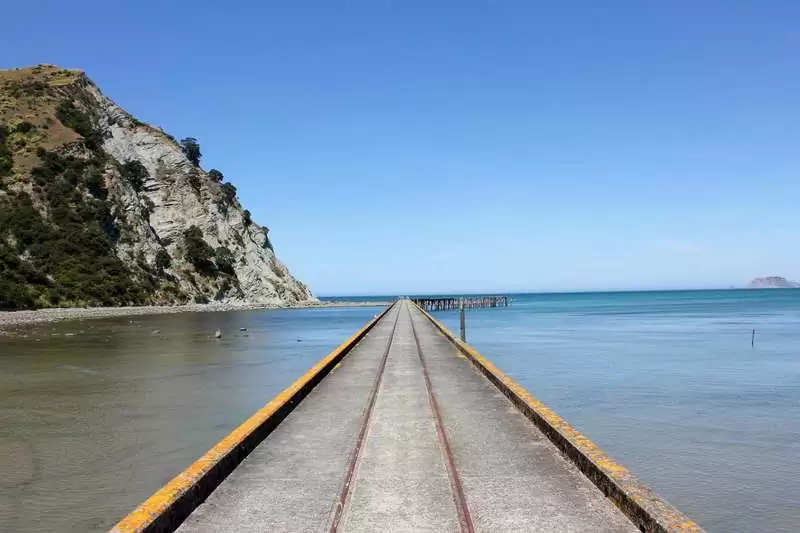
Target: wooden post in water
<point x="463" y="322"/>
<point x="753" y="339"/>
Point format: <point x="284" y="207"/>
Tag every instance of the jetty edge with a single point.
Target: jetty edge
<point x="649" y="512"/>
<point x="165" y="510"/>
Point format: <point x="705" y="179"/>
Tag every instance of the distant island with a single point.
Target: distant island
<point x="772" y="282"/>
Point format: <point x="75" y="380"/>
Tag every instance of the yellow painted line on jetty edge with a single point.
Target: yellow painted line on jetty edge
<point x="165" y="510"/>
<point x="641" y="505"/>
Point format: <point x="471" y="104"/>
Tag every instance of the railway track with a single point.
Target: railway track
<point x="405" y="433"/>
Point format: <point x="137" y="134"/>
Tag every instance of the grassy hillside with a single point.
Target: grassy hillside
<point x="56" y="228"/>
<point x="99" y="208"/>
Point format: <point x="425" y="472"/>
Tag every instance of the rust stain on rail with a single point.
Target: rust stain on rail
<point x="459" y="498"/>
<point x="165" y="510"/>
<point x="344" y="493"/>
<point x="641" y="505"/>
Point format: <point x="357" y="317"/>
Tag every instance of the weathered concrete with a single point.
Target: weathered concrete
<point x="402" y="483"/>
<point x="408" y="434"/>
<point x="165" y="510"/>
<point x="291" y="481"/>
<point x="513" y="476"/>
<point x="643" y="507"/>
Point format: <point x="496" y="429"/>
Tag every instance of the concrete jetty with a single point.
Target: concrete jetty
<point x="405" y="428"/>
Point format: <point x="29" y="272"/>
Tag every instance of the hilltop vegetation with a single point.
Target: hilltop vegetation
<point x="55" y="219"/>
<point x="90" y="216"/>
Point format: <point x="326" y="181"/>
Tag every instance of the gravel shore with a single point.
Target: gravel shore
<point x="11" y="319"/>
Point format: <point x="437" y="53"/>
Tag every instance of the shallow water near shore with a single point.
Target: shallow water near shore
<point x="667" y="383"/>
<point x="97" y="415"/>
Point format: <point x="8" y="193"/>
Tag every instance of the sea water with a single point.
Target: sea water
<point x="97" y="415"/>
<point x="669" y="384"/>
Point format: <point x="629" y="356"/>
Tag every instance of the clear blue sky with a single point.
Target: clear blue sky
<point x="414" y="146"/>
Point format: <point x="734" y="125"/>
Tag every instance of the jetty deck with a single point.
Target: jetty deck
<point x="408" y="433"/>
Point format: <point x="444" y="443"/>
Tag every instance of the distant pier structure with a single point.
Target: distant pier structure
<point x="454" y="302"/>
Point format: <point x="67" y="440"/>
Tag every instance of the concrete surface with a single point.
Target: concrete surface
<point x="514" y="479"/>
<point x="401" y="483"/>
<point x="292" y="480"/>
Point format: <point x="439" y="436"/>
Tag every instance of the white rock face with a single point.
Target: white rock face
<point x="175" y="196"/>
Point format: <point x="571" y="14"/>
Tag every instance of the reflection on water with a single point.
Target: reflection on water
<point x="97" y="415"/>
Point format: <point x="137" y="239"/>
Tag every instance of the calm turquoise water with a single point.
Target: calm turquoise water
<point x="669" y="385"/>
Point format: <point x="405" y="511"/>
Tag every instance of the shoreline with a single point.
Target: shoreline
<point x="14" y="319"/>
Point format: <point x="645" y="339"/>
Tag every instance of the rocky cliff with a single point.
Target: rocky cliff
<point x="98" y="208"/>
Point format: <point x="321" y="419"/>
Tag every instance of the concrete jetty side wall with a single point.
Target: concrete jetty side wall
<point x="642" y="506"/>
<point x="168" y="508"/>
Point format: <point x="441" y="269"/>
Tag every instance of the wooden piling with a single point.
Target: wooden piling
<point x="451" y="303"/>
<point x="463" y="323"/>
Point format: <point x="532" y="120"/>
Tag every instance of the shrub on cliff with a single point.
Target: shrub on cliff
<point x="14" y="278"/>
<point x="95" y="184"/>
<point x="24" y="127"/>
<point x="216" y="175"/>
<point x="191" y="148"/>
<point x="197" y="251"/>
<point x="224" y="260"/>
<point x="69" y="255"/>
<point x="135" y="172"/>
<point x="163" y="260"/>
<point x="229" y="190"/>
<point x="6" y="160"/>
<point x="80" y="123"/>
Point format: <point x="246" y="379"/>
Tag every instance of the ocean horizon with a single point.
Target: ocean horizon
<point x="673" y="385"/>
<point x="389" y="297"/>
